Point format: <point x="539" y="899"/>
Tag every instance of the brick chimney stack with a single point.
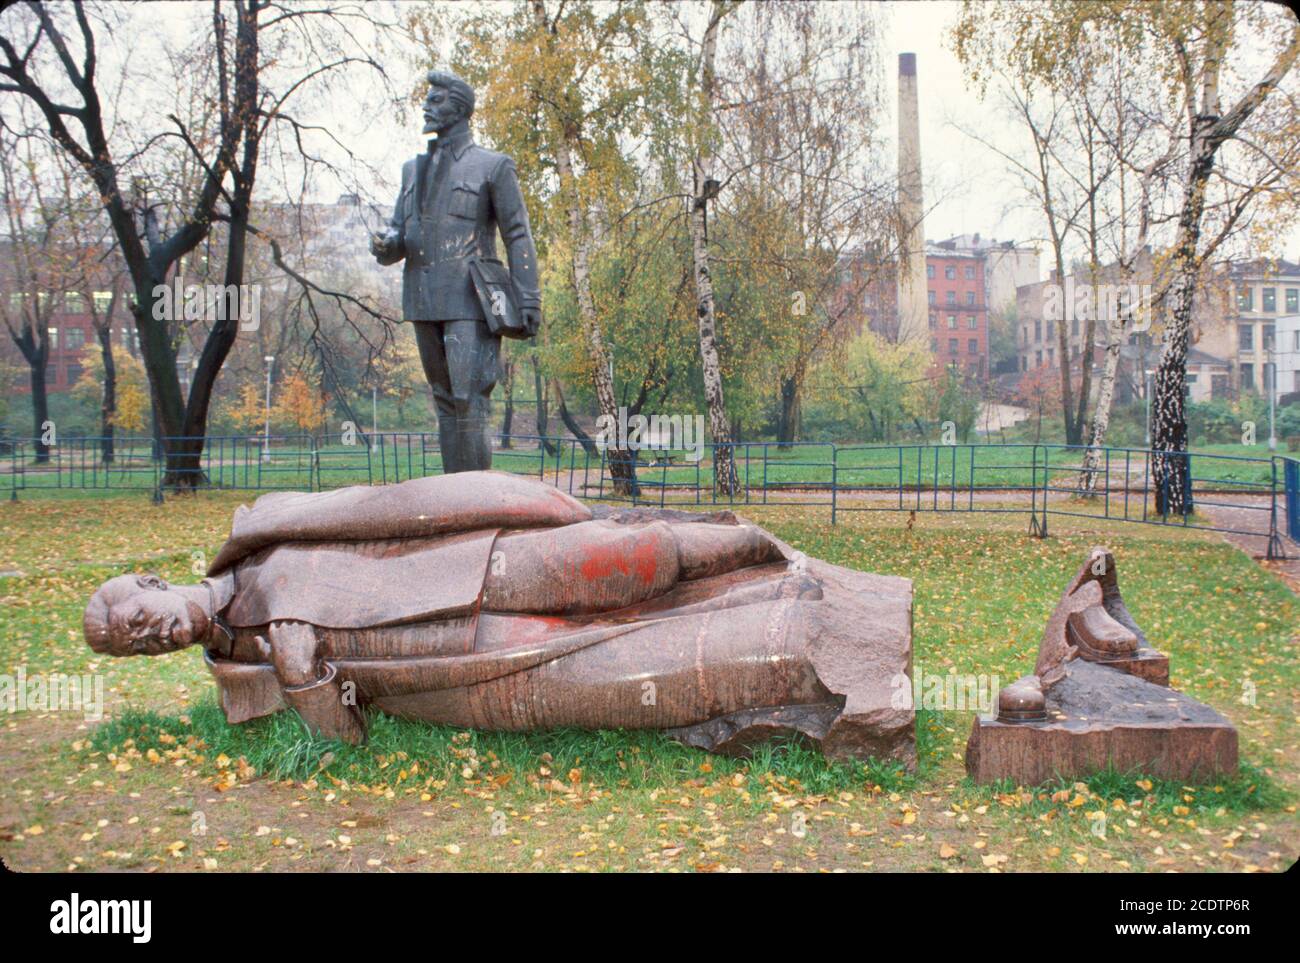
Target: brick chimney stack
<point x="913" y="310"/>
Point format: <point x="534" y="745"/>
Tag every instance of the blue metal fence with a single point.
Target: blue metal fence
<point x="1235" y="494"/>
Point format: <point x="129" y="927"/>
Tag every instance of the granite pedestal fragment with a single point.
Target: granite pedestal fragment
<point x="1099" y="699"/>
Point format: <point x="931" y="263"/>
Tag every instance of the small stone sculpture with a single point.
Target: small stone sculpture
<point x="1099" y="697"/>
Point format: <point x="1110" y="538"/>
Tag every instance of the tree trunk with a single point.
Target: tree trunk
<point x="33" y="341"/>
<point x="40" y="405"/>
<point x="1101" y="413"/>
<point x="790" y="421"/>
<point x="575" y="429"/>
<point x="543" y="417"/>
<point x="508" y="392"/>
<point x="108" y="401"/>
<point x="704" y="187"/>
<point x="622" y="465"/>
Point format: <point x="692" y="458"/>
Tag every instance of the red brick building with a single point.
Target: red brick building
<point x="959" y="321"/>
<point x="71" y="332"/>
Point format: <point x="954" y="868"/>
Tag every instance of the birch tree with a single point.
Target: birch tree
<point x="1234" y="169"/>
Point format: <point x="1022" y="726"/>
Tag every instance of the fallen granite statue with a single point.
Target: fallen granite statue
<point x="491" y="601"/>
<point x="1099" y="697"/>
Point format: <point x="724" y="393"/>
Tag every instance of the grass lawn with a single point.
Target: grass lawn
<point x="163" y="783"/>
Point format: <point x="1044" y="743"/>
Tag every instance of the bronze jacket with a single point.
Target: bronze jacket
<point x="444" y="215"/>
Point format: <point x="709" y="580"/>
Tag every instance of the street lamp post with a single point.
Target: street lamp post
<point x="1146" y="390"/>
<point x="266" y="437"/>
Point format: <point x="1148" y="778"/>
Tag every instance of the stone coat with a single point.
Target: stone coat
<point x="448" y="212"/>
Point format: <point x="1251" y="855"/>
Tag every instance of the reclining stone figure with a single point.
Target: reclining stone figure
<point x="491" y="601"/>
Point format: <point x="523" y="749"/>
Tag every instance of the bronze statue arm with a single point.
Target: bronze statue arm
<point x="512" y="218"/>
<point x="390" y="247"/>
<point x="311" y="685"/>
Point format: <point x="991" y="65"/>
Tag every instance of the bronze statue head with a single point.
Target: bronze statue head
<point x="143" y="615"/>
<point x="450" y="100"/>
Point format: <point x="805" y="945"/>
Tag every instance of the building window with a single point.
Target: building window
<point x="934" y="345"/>
<point x="75" y="338"/>
<point x="74" y="374"/>
<point x="1024" y="363"/>
<point x="1246" y="299"/>
<point x="1292" y="300"/>
<point x="1245" y="337"/>
<point x="950" y="297"/>
<point x="1039" y="359"/>
<point x="952" y="345"/>
<point x="102" y="298"/>
<point x="1248" y="376"/>
<point x="73" y="302"/>
<point x="1269" y="297"/>
<point x="972" y="346"/>
<point x="952" y="321"/>
<point x="1268" y="337"/>
<point x="934" y="321"/>
<point x="929" y="296"/>
<point x="970" y="298"/>
<point x="970" y="272"/>
<point x="950" y="272"/>
<point x="929" y="270"/>
<point x="972" y="322"/>
<point x="53" y="338"/>
<point x="1038" y="331"/>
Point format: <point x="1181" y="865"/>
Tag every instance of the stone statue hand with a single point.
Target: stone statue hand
<point x="383" y="245"/>
<point x="532" y="318"/>
<point x="294" y="652"/>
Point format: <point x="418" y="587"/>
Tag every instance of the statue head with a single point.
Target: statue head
<point x="142" y="615"/>
<point x="449" y="101"/>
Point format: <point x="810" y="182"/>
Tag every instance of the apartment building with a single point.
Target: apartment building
<point x="956" y="294"/>
<point x="1007" y="266"/>
<point x="1263" y="292"/>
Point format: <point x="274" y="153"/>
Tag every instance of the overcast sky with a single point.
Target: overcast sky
<point x="967" y="187"/>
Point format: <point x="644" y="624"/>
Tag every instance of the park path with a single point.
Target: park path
<point x="1256" y="546"/>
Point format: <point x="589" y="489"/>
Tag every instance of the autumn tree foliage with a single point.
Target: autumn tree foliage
<point x="299" y="404"/>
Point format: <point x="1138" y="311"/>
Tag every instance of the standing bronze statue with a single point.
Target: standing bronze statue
<point x="459" y="296"/>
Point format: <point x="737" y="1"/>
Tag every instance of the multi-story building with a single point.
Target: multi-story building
<point x="71" y="332"/>
<point x="956" y="291"/>
<point x="1213" y="370"/>
<point x="1286" y="354"/>
<point x="1263" y="292"/>
<point x="1007" y="266"/>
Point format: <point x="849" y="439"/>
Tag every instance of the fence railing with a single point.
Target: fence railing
<point x="1244" y="495"/>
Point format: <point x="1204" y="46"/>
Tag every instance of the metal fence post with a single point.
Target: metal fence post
<point x="835" y="481"/>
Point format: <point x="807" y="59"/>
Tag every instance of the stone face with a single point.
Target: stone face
<point x="494" y="602"/>
<point x="1106" y="699"/>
